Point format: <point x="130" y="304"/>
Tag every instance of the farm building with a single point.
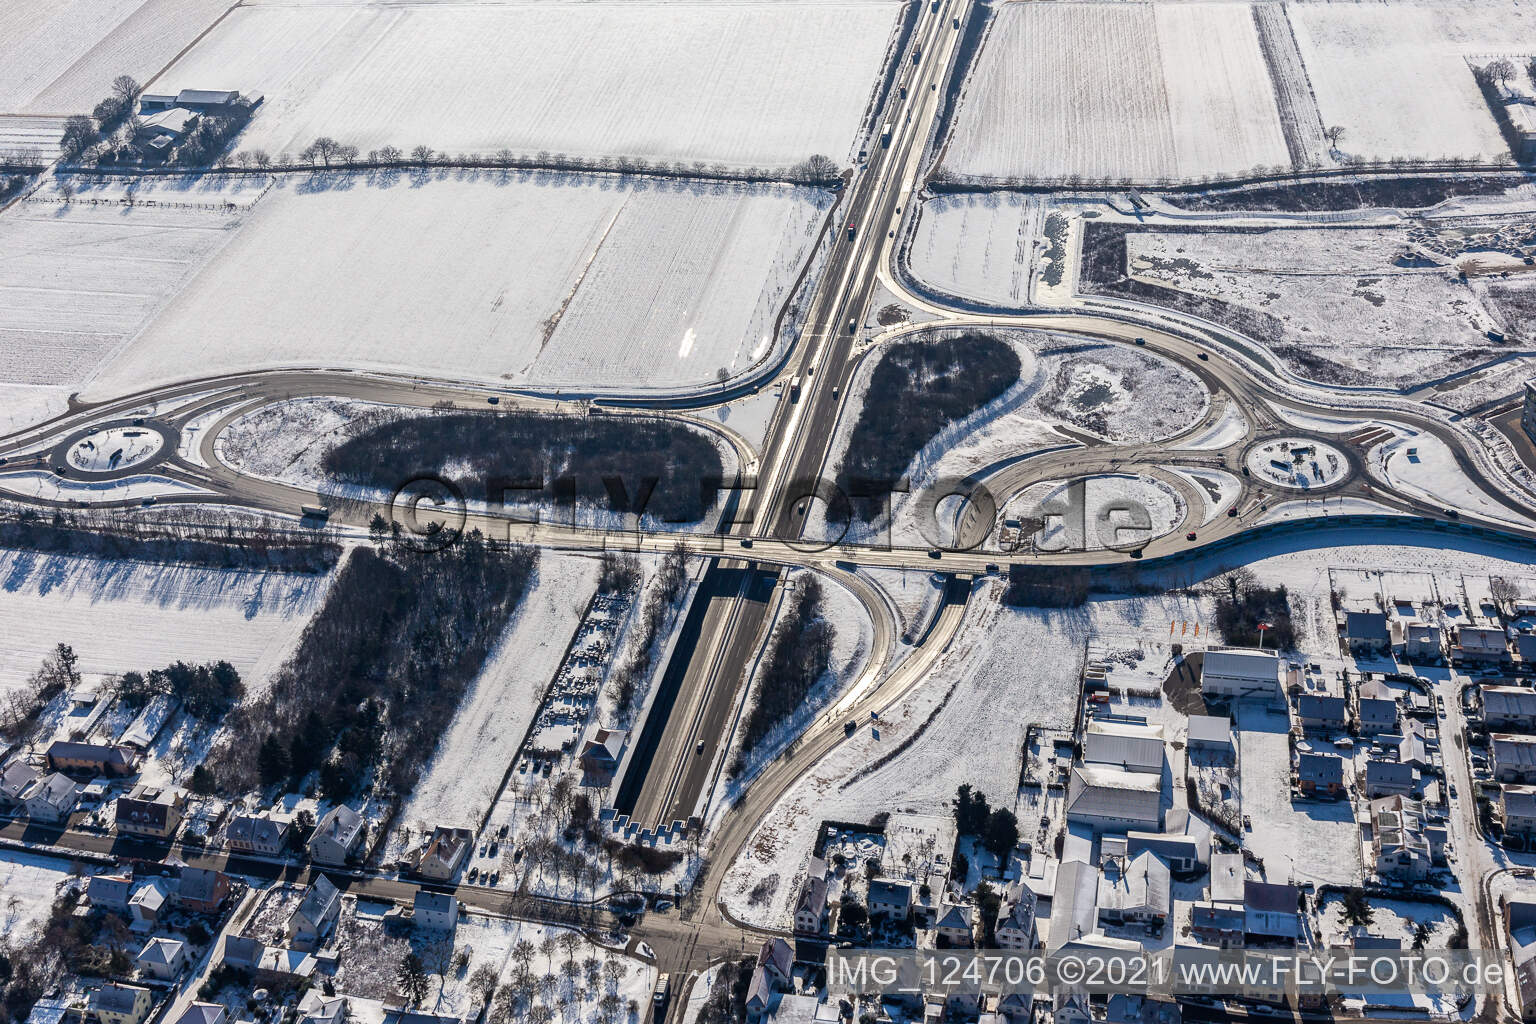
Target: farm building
<point x="1241" y="673"/>
<point x="1115" y="801"/>
<point x="1132" y="746"/>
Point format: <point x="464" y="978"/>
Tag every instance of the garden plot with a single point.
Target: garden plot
<point x="714" y="82"/>
<point x="78" y="281"/>
<point x="30" y="885"/>
<point x="1118" y="90"/>
<point x="926" y="745"/>
<point x="1396" y="77"/>
<point x="1407" y="321"/>
<point x="1390" y="919"/>
<point x="604" y="284"/>
<point x="129" y="615"/>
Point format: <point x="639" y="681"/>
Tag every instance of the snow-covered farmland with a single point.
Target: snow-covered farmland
<point x="1409" y="317"/>
<point x="978" y="246"/>
<point x="724" y="82"/>
<point x="1396" y="77"/>
<point x="79" y="280"/>
<point x="461" y="781"/>
<point x="60" y="56"/>
<point x="1121" y="90"/>
<point x="603" y="284"/>
<point x="129" y="615"/>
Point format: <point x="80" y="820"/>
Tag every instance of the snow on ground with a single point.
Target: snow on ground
<point x="915" y="594"/>
<point x="710" y="82"/>
<point x="145" y="486"/>
<point x="28" y="886"/>
<point x="851" y="649"/>
<point x="60" y="56"/>
<point x="1102" y="498"/>
<point x="1117" y="90"/>
<point x="21" y="405"/>
<point x="78" y="280"/>
<point x="1305" y="840"/>
<point x="461" y="780"/>
<point x="1390" y="919"/>
<point x="1228" y="427"/>
<point x="1396" y="76"/>
<point x="1408" y="323"/>
<point x="749" y="416"/>
<point x="1219" y="488"/>
<point x="1422" y="465"/>
<point x="122" y="615"/>
<point x="926" y="745"/>
<point x="599" y="283"/>
<point x="978" y="246"/>
<point x="1296" y="463"/>
<point x="33" y="137"/>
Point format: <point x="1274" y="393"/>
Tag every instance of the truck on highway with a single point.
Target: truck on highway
<point x="885" y="135"/>
<point x="663" y="992"/>
<point x="315" y="511"/>
<point x="794" y="389"/>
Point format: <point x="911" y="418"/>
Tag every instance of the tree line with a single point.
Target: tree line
<point x="799" y="652"/>
<point x="625" y="464"/>
<point x="917" y="389"/>
<point x="379" y="671"/>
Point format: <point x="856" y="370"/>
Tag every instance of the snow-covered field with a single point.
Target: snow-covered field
<point x="78" y="280"/>
<point x="60" y="56"/>
<point x="28" y="887"/>
<point x="128" y="615"/>
<point x="1407" y="323"/>
<point x="461" y="781"/>
<point x="981" y="678"/>
<point x="978" y="246"/>
<point x="593" y="283"/>
<point x="1396" y="77"/>
<point x="1117" y="90"/>
<point x="727" y="82"/>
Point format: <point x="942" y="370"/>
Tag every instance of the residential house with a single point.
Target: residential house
<point x="92" y="758"/>
<point x="116" y="1003"/>
<point x="318" y="1008"/>
<point x="777" y="958"/>
<point x="1399" y="843"/>
<point x="1135" y="892"/>
<point x="202" y="890"/>
<point x="1111" y="800"/>
<point x="203" y="1013"/>
<point x="15" y="778"/>
<point x="1270" y="912"/>
<point x="1317" y="711"/>
<point x="1422" y="643"/>
<point x="153" y="811"/>
<point x="1525" y="650"/>
<point x="51" y="799"/>
<point x="1184" y="854"/>
<point x="1218" y="924"/>
<point x="445" y="853"/>
<point x="1210" y="733"/>
<point x="1016" y="920"/>
<point x="890" y="898"/>
<point x="1130" y="746"/>
<point x="1365" y="633"/>
<point x="1378" y="714"/>
<point x="1483" y="644"/>
<point x="1389" y="778"/>
<point x="284" y="968"/>
<point x="162" y="958"/>
<point x="1520" y="925"/>
<point x="337" y="837"/>
<point x="811" y="910"/>
<point x="1242" y="674"/>
<point x="1320" y="775"/>
<point x="600" y="756"/>
<point x="110" y="892"/>
<point x="157" y="711"/>
<point x="1514" y="757"/>
<point x="256" y="833"/>
<point x="762" y="997"/>
<point x="956" y="924"/>
<point x="242" y="952"/>
<point x="435" y="911"/>
<point x="1509" y="708"/>
<point x="1517" y="806"/>
<point x="315" y="916"/>
<point x="146" y="903"/>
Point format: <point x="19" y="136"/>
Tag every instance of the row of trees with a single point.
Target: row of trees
<point x="329" y="153"/>
<point x="798" y="654"/>
<point x="659" y="602"/>
<point x="379" y="671"/>
<point x="917" y="389"/>
<point x="59" y="672"/>
<point x="1242" y="606"/>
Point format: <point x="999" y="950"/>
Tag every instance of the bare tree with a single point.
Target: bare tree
<point x="1333" y="133"/>
<point x="125" y="88"/>
<point x="324" y="148"/>
<point x="1501" y="71"/>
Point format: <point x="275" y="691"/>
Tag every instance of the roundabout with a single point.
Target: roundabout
<point x="113" y="450"/>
